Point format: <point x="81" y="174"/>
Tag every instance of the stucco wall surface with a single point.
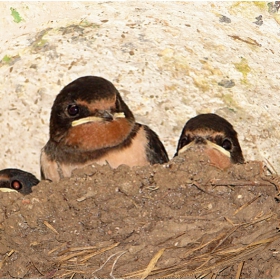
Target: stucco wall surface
<point x="169" y="60"/>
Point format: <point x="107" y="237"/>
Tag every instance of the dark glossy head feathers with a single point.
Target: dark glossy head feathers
<point x="18" y="180"/>
<point x="84" y="97"/>
<point x="213" y="128"/>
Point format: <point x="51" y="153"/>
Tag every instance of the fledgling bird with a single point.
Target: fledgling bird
<point x="216" y="135"/>
<point x="90" y="123"/>
<point x="16" y="180"/>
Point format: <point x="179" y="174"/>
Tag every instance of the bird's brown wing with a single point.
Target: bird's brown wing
<point x="155" y="150"/>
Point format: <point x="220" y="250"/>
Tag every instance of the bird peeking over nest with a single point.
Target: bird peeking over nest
<point x="16" y="180"/>
<point x="215" y="135"/>
<point x="90" y="123"/>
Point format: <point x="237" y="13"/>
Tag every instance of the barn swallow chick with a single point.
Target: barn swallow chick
<point x="215" y="135"/>
<point x="16" y="180"/>
<point x="90" y="123"/>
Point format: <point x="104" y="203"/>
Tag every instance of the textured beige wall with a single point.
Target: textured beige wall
<point x="166" y="58"/>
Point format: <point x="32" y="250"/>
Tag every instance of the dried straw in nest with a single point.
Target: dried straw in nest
<point x="200" y="265"/>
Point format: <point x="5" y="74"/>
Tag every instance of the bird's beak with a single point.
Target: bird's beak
<point x="7" y="190"/>
<point x="98" y="119"/>
<point x="209" y="144"/>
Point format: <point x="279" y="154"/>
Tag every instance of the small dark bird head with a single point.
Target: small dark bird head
<point x="17" y="180"/>
<point x="89" y="114"/>
<point x="214" y="130"/>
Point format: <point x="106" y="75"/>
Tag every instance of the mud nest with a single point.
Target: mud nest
<point x="184" y="219"/>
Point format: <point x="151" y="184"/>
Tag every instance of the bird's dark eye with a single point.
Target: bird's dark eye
<point x="16" y="185"/>
<point x="73" y="110"/>
<point x="227" y="145"/>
